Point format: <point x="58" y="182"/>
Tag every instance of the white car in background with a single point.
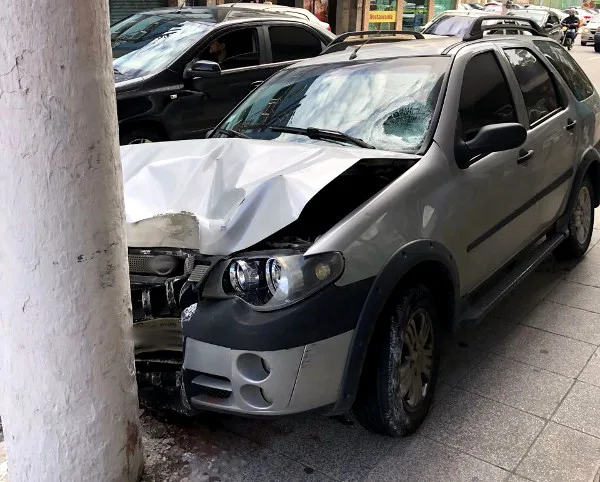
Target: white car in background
<point x="279" y="9"/>
<point x="589" y="30"/>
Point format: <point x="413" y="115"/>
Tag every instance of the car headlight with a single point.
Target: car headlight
<point x="270" y="283"/>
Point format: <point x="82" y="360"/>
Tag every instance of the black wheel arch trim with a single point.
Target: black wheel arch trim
<point x="395" y="269"/>
<point x="590" y="163"/>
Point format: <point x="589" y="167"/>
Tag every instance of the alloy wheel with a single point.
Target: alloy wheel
<point x="581" y="218"/>
<point x="416" y="359"/>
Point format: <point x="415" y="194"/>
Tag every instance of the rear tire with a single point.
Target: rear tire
<point x="581" y="224"/>
<point x="140" y="136"/>
<point x="400" y="373"/>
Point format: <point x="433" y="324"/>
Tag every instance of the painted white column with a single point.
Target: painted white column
<point x="67" y="389"/>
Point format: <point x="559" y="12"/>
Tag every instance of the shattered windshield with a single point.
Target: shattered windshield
<point x="388" y="105"/>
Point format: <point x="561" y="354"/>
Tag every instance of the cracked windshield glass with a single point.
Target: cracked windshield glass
<point x="388" y="105"/>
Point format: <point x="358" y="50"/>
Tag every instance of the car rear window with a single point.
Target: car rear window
<point x="568" y="69"/>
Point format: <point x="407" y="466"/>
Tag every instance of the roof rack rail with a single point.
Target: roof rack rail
<point x="477" y="27"/>
<point x="337" y="43"/>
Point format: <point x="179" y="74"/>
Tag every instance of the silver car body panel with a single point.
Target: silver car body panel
<point x="219" y="196"/>
<point x="587" y="32"/>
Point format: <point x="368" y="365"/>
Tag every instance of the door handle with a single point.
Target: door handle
<point x="571" y="124"/>
<point x="524" y="156"/>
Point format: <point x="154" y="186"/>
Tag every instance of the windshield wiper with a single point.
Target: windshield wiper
<point x="323" y="135"/>
<point x="231" y="133"/>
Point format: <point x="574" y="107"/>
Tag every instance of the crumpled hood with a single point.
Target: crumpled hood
<point x="220" y="196"/>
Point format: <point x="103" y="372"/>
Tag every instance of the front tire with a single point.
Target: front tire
<point x="597" y="47"/>
<point x="581" y="224"/>
<point x="400" y="373"/>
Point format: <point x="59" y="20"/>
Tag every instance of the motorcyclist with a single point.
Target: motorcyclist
<point x="571" y="22"/>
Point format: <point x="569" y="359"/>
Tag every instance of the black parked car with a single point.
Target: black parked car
<point x="178" y="72"/>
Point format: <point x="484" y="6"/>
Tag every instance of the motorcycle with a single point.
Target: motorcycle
<point x="569" y="34"/>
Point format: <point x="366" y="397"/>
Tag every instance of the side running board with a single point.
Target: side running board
<point x="478" y="308"/>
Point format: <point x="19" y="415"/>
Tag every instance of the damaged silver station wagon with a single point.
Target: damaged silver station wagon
<point x="309" y="253"/>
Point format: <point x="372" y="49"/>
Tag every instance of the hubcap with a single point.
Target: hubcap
<point x="140" y="141"/>
<point x="417" y="358"/>
<point x="581" y="218"/>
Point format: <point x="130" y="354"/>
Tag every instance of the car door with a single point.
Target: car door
<point x="491" y="218"/>
<point x="552" y="130"/>
<point x="210" y="95"/>
<point x="552" y="27"/>
<point x="289" y="43"/>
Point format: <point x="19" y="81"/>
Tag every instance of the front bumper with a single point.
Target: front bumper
<point x="277" y="382"/>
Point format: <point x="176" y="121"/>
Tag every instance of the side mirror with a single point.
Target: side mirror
<point x="202" y="68"/>
<point x="492" y="138"/>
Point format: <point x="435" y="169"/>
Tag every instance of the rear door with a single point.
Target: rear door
<point x="552" y="130"/>
<point x="288" y="43"/>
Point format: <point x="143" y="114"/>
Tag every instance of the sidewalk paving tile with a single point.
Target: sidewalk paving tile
<point x="519" y="385"/>
<point x="272" y="467"/>
<point x="561" y="453"/>
<point x="485" y="335"/>
<point x="482" y="428"/>
<point x="587" y="271"/>
<point x="546" y="350"/>
<point x="457" y="360"/>
<point x="567" y="321"/>
<point x="581" y="409"/>
<point x="591" y="372"/>
<point x="426" y="460"/>
<point x="576" y="295"/>
<point x="326" y="445"/>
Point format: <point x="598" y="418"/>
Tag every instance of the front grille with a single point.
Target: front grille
<point x="140" y="263"/>
<point x="213" y="392"/>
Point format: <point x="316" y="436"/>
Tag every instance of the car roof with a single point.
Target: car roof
<point x="430" y="47"/>
<point x="218" y="14"/>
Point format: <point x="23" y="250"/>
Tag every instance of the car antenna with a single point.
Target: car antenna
<point x="353" y="54"/>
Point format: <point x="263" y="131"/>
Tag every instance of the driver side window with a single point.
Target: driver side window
<point x="485" y="97"/>
<point x="234" y="50"/>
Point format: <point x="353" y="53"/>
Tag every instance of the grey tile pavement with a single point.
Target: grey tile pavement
<point x="581" y="409"/>
<point x="519" y="385"/>
<point x="546" y="350"/>
<point x="483" y="428"/>
<point x="561" y="453"/>
<point x="576" y="295"/>
<point x="431" y="461"/>
<point x="591" y="372"/>
<point x="567" y="321"/>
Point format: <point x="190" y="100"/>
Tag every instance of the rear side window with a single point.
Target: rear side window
<point x="568" y="69"/>
<point x="485" y="97"/>
<point x="539" y="91"/>
<point x="293" y="43"/>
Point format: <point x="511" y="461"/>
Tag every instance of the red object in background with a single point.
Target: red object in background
<point x="318" y="8"/>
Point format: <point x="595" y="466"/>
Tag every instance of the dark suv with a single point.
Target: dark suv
<point x="178" y="72"/>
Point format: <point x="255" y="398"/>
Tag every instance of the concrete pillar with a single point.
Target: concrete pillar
<point x="68" y="396"/>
